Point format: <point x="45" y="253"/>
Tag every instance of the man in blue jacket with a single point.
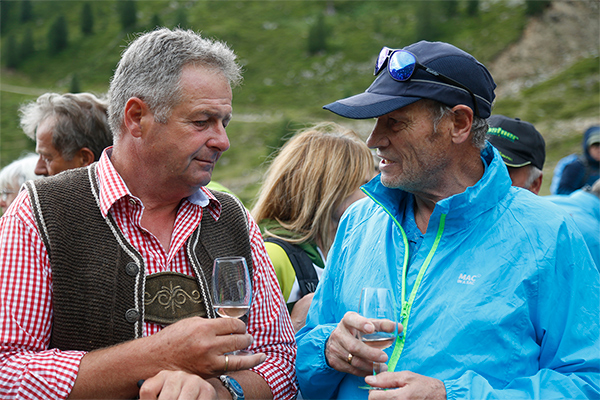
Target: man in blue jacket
<point x="522" y="148"/>
<point x="584" y="206"/>
<point x="497" y="293"/>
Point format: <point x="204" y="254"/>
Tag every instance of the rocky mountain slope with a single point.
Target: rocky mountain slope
<point x="566" y="32"/>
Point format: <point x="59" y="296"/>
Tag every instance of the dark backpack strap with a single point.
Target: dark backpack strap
<point x="303" y="265"/>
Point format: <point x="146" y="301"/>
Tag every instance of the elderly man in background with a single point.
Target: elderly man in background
<point x="522" y="148"/>
<point x="13" y="176"/>
<point x="69" y="130"/>
<point x="495" y="289"/>
<point x="85" y="254"/>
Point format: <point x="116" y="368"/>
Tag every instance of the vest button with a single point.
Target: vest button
<point x="132" y="202"/>
<point x="132" y="269"/>
<point x="132" y="315"/>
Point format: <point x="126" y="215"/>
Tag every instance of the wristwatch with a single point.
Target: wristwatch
<point x="237" y="393"/>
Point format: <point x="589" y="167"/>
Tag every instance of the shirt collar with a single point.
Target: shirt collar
<point x="112" y="188"/>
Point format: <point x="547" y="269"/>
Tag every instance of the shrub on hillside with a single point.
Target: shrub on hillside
<point x="11" y="53"/>
<point x="128" y="12"/>
<point x="317" y="36"/>
<point x="87" y="19"/>
<point x="27" y="45"/>
<point x="58" y="35"/>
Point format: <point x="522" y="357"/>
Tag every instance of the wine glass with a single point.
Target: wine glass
<point x="232" y="289"/>
<point x="378" y="304"/>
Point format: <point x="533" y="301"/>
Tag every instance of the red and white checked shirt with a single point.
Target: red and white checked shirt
<point x="29" y="370"/>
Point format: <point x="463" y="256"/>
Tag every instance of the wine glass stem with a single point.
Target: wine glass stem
<point x="379" y="368"/>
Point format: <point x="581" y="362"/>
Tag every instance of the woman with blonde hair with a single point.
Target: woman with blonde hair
<point x="313" y="179"/>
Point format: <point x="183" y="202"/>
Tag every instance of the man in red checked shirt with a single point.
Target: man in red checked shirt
<point x="104" y="270"/>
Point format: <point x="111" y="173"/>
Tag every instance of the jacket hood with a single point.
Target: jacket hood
<point x="462" y="207"/>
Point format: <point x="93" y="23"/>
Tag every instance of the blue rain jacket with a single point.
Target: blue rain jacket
<point x="584" y="207"/>
<point x="507" y="305"/>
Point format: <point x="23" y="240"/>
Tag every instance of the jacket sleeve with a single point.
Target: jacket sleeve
<point x="572" y="177"/>
<point x="566" y="328"/>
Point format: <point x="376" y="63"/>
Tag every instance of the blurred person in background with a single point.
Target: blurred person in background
<point x="70" y="130"/>
<point x="522" y="148"/>
<point x="584" y="206"/>
<point x="13" y="176"/>
<point x="576" y="171"/>
<point x="315" y="176"/>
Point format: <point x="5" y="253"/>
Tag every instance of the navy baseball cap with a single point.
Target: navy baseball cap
<point x="518" y="142"/>
<point x="387" y="94"/>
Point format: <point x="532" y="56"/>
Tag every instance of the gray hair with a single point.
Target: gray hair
<point x="81" y="121"/>
<point x="532" y="174"/>
<point x="439" y="111"/>
<point x="150" y="69"/>
<point x="19" y="171"/>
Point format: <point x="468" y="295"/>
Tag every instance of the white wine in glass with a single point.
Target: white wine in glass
<point x="232" y="289"/>
<point x="231" y="311"/>
<point x="378" y="304"/>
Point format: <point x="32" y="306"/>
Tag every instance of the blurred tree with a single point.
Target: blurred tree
<point x="26" y="11"/>
<point x="58" y="35"/>
<point x="533" y="8"/>
<point x="317" y="36"/>
<point x="155" y="21"/>
<point x="473" y="7"/>
<point x="450" y="7"/>
<point x="75" y="87"/>
<point x="5" y="8"/>
<point x="128" y="12"/>
<point x="87" y="19"/>
<point x="181" y="19"/>
<point x="27" y="45"/>
<point x="426" y="16"/>
<point x="11" y="54"/>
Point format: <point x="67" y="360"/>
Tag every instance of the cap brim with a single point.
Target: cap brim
<point x="513" y="159"/>
<point x="369" y="105"/>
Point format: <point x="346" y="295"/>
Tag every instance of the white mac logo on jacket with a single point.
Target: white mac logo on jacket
<point x="467" y="279"/>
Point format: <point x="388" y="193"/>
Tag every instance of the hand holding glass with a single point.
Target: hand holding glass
<point x="378" y="304"/>
<point x="232" y="289"/>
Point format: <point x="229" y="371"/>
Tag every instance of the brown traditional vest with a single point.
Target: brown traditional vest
<point x="98" y="277"/>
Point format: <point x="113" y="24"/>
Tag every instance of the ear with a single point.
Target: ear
<point x="463" y="120"/>
<point x="536" y="185"/>
<point x="85" y="157"/>
<point x="135" y="112"/>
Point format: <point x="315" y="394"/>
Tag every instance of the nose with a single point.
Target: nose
<point x="375" y="139"/>
<point x="40" y="167"/>
<point x="220" y="140"/>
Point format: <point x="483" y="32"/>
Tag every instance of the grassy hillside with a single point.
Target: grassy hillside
<point x="285" y="86"/>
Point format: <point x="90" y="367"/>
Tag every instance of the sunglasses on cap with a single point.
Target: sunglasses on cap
<point x="402" y="65"/>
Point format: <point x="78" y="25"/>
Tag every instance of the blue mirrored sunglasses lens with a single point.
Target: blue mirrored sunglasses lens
<point x="402" y="65"/>
<point x="383" y="55"/>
